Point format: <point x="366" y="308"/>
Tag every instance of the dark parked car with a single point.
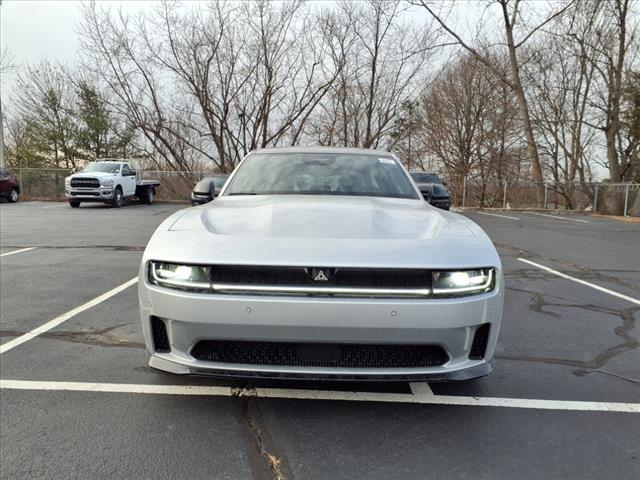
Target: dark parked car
<point x="432" y="188"/>
<point x="9" y="185"/>
<point x="207" y="189"/>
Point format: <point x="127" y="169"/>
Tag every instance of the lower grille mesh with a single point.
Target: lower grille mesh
<point x="320" y="355"/>
<point x="480" y="340"/>
<point x="159" y="334"/>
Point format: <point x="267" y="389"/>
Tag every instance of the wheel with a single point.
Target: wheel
<point x="118" y="198"/>
<point x="13" y="195"/>
<point x="148" y="196"/>
<point x="74" y="204"/>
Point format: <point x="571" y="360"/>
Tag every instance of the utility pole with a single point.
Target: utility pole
<point x="1" y="116"/>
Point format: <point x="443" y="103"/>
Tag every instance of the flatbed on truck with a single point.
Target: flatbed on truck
<point x="110" y="181"/>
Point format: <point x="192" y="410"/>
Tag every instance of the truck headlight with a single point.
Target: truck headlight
<point x="463" y="282"/>
<point x="106" y="183"/>
<point x="182" y="277"/>
<point x="67" y="182"/>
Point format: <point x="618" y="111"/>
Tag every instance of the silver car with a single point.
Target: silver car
<point x="321" y="263"/>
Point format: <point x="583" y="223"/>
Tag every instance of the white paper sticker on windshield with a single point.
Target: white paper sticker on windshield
<point x="390" y="161"/>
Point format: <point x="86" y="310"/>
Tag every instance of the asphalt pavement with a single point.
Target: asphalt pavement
<point x="78" y="400"/>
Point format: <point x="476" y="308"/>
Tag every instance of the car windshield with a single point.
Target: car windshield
<point x="321" y="174"/>
<point x="421" y="177"/>
<point x="106" y="167"/>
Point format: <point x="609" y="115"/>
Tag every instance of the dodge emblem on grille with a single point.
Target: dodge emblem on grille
<point x="319" y="275"/>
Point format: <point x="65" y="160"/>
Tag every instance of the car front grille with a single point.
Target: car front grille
<point x="291" y="354"/>
<point x="85" y="182"/>
<point x="337" y="277"/>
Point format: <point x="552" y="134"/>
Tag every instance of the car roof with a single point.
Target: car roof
<point x="420" y="171"/>
<point x="322" y="149"/>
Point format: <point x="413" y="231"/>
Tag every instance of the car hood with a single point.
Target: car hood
<point x="91" y="174"/>
<point x="321" y="230"/>
<point x="435" y="189"/>
<point x="303" y="216"/>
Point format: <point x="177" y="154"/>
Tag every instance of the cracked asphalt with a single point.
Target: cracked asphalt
<point x="559" y="341"/>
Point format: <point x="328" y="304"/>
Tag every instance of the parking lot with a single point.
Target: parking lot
<point x="78" y="400"/>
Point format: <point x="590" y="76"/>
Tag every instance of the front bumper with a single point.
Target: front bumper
<point x="192" y="317"/>
<point x="102" y="194"/>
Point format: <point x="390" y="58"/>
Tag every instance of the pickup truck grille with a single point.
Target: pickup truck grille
<point x="85" y="182"/>
<point x="293" y="354"/>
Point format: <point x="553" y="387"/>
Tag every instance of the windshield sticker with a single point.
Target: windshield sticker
<point x="390" y="161"/>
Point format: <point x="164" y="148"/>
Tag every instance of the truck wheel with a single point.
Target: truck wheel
<point x="148" y="196"/>
<point x="13" y="195"/>
<point x="74" y="204"/>
<point x="118" y="198"/>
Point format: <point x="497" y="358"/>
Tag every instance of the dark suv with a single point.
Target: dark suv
<point x="9" y="185"/>
<point x="432" y="188"/>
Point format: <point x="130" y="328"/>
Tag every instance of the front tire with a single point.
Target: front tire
<point x="118" y="198"/>
<point x="13" y="195"/>
<point x="74" y="204"/>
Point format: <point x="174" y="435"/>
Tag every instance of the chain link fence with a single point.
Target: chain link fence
<point x="48" y="183"/>
<point x="606" y="198"/>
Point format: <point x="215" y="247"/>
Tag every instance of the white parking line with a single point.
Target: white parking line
<point x="421" y="398"/>
<point x="496" y="215"/>
<point x="17" y="251"/>
<point x="581" y="282"/>
<point x="561" y="218"/>
<point x="64" y="317"/>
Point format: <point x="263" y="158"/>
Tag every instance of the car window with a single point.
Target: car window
<point x="219" y="181"/>
<point x="4" y="173"/>
<point x="421" y="177"/>
<point x="126" y="171"/>
<point x="107" y="167"/>
<point x="321" y="174"/>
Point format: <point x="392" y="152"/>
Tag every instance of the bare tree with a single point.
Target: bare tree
<point x="472" y="127"/>
<point x="512" y="20"/>
<point x="385" y="59"/>
<point x="612" y="43"/>
<point x="560" y="79"/>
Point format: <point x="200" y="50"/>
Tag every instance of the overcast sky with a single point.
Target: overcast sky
<point x="35" y="30"/>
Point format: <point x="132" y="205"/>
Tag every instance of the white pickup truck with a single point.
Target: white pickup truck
<point x="109" y="181"/>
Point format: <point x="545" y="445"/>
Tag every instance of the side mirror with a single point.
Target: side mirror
<point x="444" y="183"/>
<point x="212" y="191"/>
<point x="133" y="173"/>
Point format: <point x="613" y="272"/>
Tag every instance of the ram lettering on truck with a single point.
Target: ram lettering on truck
<point x="111" y="182"/>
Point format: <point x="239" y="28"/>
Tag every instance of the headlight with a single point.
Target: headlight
<point x="464" y="282"/>
<point x="106" y="183"/>
<point x="183" y="277"/>
<point x="67" y="182"/>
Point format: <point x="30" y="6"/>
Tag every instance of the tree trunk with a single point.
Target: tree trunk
<point x="532" y="148"/>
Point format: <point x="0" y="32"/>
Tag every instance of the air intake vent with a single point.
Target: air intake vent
<point x="320" y="355"/>
<point x="480" y="339"/>
<point x="160" y="337"/>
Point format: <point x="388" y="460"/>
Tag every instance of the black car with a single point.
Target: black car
<point x="432" y="188"/>
<point x="207" y="189"/>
